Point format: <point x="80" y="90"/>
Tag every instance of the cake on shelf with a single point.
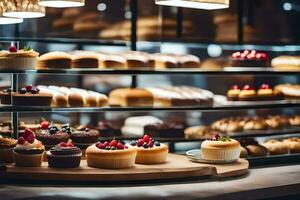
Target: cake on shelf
<point x="248" y="58"/>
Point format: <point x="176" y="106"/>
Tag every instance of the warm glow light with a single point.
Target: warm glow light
<point x="62" y="3"/>
<point x="23" y="9"/>
<point x="198" y="4"/>
<point x="7" y="20"/>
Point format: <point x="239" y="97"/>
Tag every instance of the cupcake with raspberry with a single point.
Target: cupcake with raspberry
<point x="6" y="149"/>
<point x="29" y="151"/>
<point x="64" y="155"/>
<point x="150" y="151"/>
<point x="110" y="155"/>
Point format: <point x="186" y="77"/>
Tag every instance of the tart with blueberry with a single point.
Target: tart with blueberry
<point x="110" y="155"/>
<point x="150" y="151"/>
<point x="64" y="155"/>
<point x="15" y="59"/>
<point x="248" y="58"/>
<point x="220" y="148"/>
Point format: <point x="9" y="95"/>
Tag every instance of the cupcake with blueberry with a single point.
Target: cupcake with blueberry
<point x="6" y="149"/>
<point x="110" y="155"/>
<point x="29" y="151"/>
<point x="64" y="155"/>
<point x="150" y="151"/>
<point x="220" y="148"/>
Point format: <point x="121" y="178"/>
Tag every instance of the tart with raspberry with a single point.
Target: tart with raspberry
<point x="233" y="93"/>
<point x="110" y="155"/>
<point x="247" y="94"/>
<point x="265" y="92"/>
<point x="150" y="151"/>
<point x="15" y="59"/>
<point x="27" y="96"/>
<point x="248" y="58"/>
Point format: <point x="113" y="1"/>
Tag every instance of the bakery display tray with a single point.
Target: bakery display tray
<point x="177" y="167"/>
<point x="274" y="160"/>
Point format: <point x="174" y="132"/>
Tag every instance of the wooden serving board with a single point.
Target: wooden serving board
<point x="178" y="166"/>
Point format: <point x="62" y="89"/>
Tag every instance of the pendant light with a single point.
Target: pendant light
<point x="62" y="3"/>
<point x="198" y="4"/>
<point x="23" y="9"/>
<point x="7" y="20"/>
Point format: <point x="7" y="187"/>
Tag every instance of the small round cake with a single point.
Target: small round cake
<point x="249" y="59"/>
<point x="150" y="151"/>
<point x="233" y="93"/>
<point x="293" y="144"/>
<point x="29" y="151"/>
<point x="64" y="155"/>
<point x="14" y="59"/>
<point x="220" y="148"/>
<point x="276" y="147"/>
<point x="110" y="155"/>
<point x="247" y="94"/>
<point x="85" y="137"/>
<point x="6" y="149"/>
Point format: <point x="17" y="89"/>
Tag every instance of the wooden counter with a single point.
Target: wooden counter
<point x="260" y="183"/>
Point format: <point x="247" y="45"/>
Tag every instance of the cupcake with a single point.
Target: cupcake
<point x="29" y="151"/>
<point x="52" y="135"/>
<point x="247" y="94"/>
<point x="110" y="155"/>
<point x="233" y="93"/>
<point x="14" y="59"/>
<point x="64" y="155"/>
<point x="6" y="149"/>
<point x="150" y="151"/>
<point x="84" y="137"/>
<point x="220" y="148"/>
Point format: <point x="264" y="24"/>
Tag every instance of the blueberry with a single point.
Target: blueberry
<point x="34" y="91"/>
<point x="86" y="129"/>
<point x="113" y="148"/>
<point x="107" y="148"/>
<point x="145" y="145"/>
<point x="65" y="126"/>
<point x="156" y="144"/>
<point x="53" y="128"/>
<point x="133" y="143"/>
<point x="23" y="91"/>
<point x="52" y="131"/>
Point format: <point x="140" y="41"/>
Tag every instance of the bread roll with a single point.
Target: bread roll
<point x="55" y="60"/>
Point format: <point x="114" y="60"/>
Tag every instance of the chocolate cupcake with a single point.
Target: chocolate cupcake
<point x="84" y="138"/>
<point x="6" y="149"/>
<point x="107" y="129"/>
<point x="64" y="155"/>
<point x="53" y="135"/>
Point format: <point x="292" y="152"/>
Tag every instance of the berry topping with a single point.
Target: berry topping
<point x="264" y="87"/>
<point x="113" y="143"/>
<point x="29" y="88"/>
<point x="156" y="143"/>
<point x="53" y="129"/>
<point x="140" y="142"/>
<point x="247" y="87"/>
<point x="45" y="125"/>
<point x="146" y="142"/>
<point x="146" y="138"/>
<point x="63" y="144"/>
<point x="145" y="145"/>
<point x="34" y="91"/>
<point x="250" y="55"/>
<point x="100" y="145"/>
<point x="13" y="49"/>
<point x="21" y="140"/>
<point x="27" y="133"/>
<point x="23" y="91"/>
<point x="218" y="137"/>
<point x="120" y="146"/>
<point x="106" y="144"/>
<point x="30" y="138"/>
<point x="86" y="129"/>
<point x="150" y="144"/>
<point x="133" y="143"/>
<point x="235" y="87"/>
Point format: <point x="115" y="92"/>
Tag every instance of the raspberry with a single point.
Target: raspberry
<point x="100" y="145"/>
<point x="140" y="142"/>
<point x="30" y="138"/>
<point x="63" y="144"/>
<point x="247" y="87"/>
<point x="106" y="144"/>
<point x="27" y="133"/>
<point x="21" y="140"/>
<point x="12" y="49"/>
<point x="120" y="146"/>
<point x="150" y="144"/>
<point x="70" y="144"/>
<point x="113" y="143"/>
<point x="147" y="138"/>
<point x="29" y="88"/>
<point x="45" y="125"/>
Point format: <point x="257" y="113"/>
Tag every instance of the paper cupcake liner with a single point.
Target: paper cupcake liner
<point x="6" y="155"/>
<point x="18" y="63"/>
<point x="64" y="161"/>
<point x="223" y="154"/>
<point x="28" y="160"/>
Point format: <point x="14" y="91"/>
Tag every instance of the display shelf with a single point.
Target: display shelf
<point x="274" y="159"/>
<point x="229" y="71"/>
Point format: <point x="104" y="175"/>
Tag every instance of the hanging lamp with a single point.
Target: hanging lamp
<point x="62" y="3"/>
<point x="7" y="20"/>
<point x="197" y="4"/>
<point x="23" y="9"/>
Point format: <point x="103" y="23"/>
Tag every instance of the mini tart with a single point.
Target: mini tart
<point x="276" y="147"/>
<point x="221" y="150"/>
<point x="6" y="149"/>
<point x="110" y="159"/>
<point x="233" y="94"/>
<point x="247" y="95"/>
<point x="21" y="60"/>
<point x="150" y="156"/>
<point x="293" y="144"/>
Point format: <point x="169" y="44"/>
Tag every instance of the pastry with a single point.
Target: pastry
<point x="75" y="98"/>
<point x="84" y="59"/>
<point x="289" y="91"/>
<point x="135" y="60"/>
<point x="214" y="64"/>
<point x="110" y="155"/>
<point x="255" y="124"/>
<point x="14" y="59"/>
<point x="64" y="155"/>
<point x="277" y="122"/>
<point x="110" y="61"/>
<point x="127" y="97"/>
<point x="27" y="96"/>
<point x="257" y="150"/>
<point x="244" y="153"/>
<point x="294" y="120"/>
<point x="247" y="94"/>
<point x="233" y="93"/>
<point x="293" y="144"/>
<point x="55" y="60"/>
<point x="198" y="132"/>
<point x="84" y="137"/>
<point x="220" y="148"/>
<point x="52" y="135"/>
<point x="276" y="147"/>
<point x="165" y="61"/>
<point x="58" y="98"/>
<point x="265" y="92"/>
<point x="188" y="61"/>
<point x="149" y="151"/>
<point x="6" y="149"/>
<point x="249" y="59"/>
<point x="286" y="63"/>
<point x="29" y="151"/>
<point x="108" y="129"/>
